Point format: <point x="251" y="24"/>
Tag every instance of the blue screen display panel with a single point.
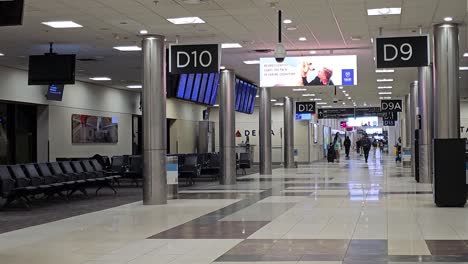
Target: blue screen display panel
<point x="198" y="87"/>
<point x="245" y="96"/>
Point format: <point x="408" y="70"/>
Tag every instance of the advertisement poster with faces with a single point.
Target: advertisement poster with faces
<point x="309" y="71"/>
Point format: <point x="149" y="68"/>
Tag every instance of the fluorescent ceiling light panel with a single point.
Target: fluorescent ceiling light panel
<point x="299" y="90"/>
<point x="186" y="20"/>
<point x="62" y="24"/>
<point x="135" y="86"/>
<point x="448" y="19"/>
<point x="464" y="68"/>
<point x="128" y="48"/>
<point x="143" y="32"/>
<point x="384" y="87"/>
<point x="222" y="67"/>
<point x="287" y="21"/>
<point x="308" y="95"/>
<point x="312" y="52"/>
<point x="465" y="54"/>
<point x="216" y="105"/>
<point x="384" y="70"/>
<point x="252" y="62"/>
<point x="100" y="78"/>
<point x="327" y="106"/>
<point x="302" y="39"/>
<point x="385" y="93"/>
<point x="321" y="103"/>
<point x="316" y="99"/>
<point x="257" y="96"/>
<point x="1" y="54"/>
<point x="273" y="100"/>
<point x="384" y="80"/>
<point x="279" y="104"/>
<point x="384" y="11"/>
<point x="231" y="46"/>
<point x="385" y="98"/>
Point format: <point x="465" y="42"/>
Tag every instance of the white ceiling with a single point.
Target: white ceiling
<point x="327" y="25"/>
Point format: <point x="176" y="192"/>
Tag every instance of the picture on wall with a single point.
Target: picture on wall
<point x="88" y="129"/>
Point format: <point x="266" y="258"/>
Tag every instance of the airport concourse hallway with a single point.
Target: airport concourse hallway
<point x="347" y="212"/>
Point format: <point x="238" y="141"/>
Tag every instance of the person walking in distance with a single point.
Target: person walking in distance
<point x="366" y="146"/>
<point x="337" y="145"/>
<point x="347" y="145"/>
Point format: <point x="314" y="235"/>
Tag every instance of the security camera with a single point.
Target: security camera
<point x="280" y="53"/>
<point x="335" y="100"/>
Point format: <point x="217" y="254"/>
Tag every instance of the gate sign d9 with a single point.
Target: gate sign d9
<point x="305" y="107"/>
<point x="204" y="58"/>
<point x="399" y="52"/>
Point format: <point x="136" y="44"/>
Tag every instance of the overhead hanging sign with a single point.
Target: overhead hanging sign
<point x="389" y="118"/>
<point x="309" y="71"/>
<point x="400" y="52"/>
<point x="305" y="107"/>
<point x="332" y="113"/>
<point x="204" y="58"/>
<point x="391" y="106"/>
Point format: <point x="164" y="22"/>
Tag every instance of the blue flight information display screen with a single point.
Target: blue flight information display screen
<point x="55" y="92"/>
<point x="245" y="96"/>
<point x="198" y="87"/>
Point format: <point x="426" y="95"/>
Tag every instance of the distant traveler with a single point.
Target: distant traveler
<point x="331" y="153"/>
<point x="366" y="146"/>
<point x="337" y="144"/>
<point x="347" y="145"/>
<point x="398" y="150"/>
<point x="358" y="146"/>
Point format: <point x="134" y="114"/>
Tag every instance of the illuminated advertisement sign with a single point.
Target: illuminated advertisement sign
<point x="309" y="71"/>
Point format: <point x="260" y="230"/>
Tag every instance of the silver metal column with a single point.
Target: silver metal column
<point x="426" y="103"/>
<point x="407" y="122"/>
<point x="154" y="121"/>
<point x="446" y="90"/>
<point x="414" y="106"/>
<point x="265" y="131"/>
<point x="288" y="132"/>
<point x="227" y="126"/>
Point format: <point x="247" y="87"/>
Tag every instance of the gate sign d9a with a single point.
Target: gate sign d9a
<point x="194" y="58"/>
<point x="305" y="107"/>
<point x="391" y="106"/>
<point x="401" y="52"/>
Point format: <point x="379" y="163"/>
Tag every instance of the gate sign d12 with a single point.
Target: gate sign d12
<point x="194" y="58"/>
<point x="399" y="52"/>
<point x="305" y="107"/>
<point x="391" y="106"/>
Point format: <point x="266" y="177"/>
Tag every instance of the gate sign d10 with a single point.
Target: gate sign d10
<point x="392" y="106"/>
<point x="194" y="58"/>
<point x="305" y="107"/>
<point x="401" y="52"/>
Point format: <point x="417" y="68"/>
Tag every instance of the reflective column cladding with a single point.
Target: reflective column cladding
<point x="426" y="104"/>
<point x="407" y="122"/>
<point x="288" y="132"/>
<point x="265" y="131"/>
<point x="227" y="123"/>
<point x="154" y="121"/>
<point x="446" y="90"/>
<point x="414" y="105"/>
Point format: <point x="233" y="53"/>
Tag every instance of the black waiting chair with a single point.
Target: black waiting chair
<point x="34" y="185"/>
<point x="117" y="165"/>
<point x="80" y="178"/>
<point x="49" y="185"/>
<point x="13" y="190"/>
<point x="100" y="176"/>
<point x="135" y="170"/>
<point x="190" y="169"/>
<point x="244" y="162"/>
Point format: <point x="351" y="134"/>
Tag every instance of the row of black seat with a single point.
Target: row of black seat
<point x="22" y="182"/>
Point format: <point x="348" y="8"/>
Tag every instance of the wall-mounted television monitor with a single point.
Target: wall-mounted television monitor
<point x="246" y="93"/>
<point x="198" y="87"/>
<point x="55" y="92"/>
<point x="51" y="69"/>
<point x="11" y="12"/>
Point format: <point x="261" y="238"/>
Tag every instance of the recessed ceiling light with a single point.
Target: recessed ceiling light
<point x="344" y="91"/>
<point x="216" y="105"/>
<point x="252" y="62"/>
<point x="279" y="104"/>
<point x="312" y="52"/>
<point x="273" y="100"/>
<point x="292" y="28"/>
<point x="349" y="98"/>
<point x="231" y="45"/>
<point x="340" y="87"/>
<point x="448" y="19"/>
<point x="384" y="98"/>
<point x="384" y="87"/>
<point x="321" y="103"/>
<point x="1" y="54"/>
<point x="308" y="95"/>
<point x="222" y="67"/>
<point x="186" y="20"/>
<point x="143" y="32"/>
<point x="344" y="103"/>
<point x="62" y="24"/>
<point x="385" y="93"/>
<point x="299" y="89"/>
<point x="356" y="38"/>
<point x="302" y="39"/>
<point x="465" y="54"/>
<point x="327" y="106"/>
<point x="372" y="40"/>
<point x="384" y="11"/>
<point x="100" y="78"/>
<point x="257" y="96"/>
<point x="316" y="99"/>
<point x="135" y="86"/>
<point x="128" y="48"/>
<point x="464" y="68"/>
<point x="384" y="70"/>
<point x="384" y="80"/>
<point x="287" y="21"/>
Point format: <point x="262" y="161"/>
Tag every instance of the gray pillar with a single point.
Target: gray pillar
<point x="407" y="122"/>
<point x="154" y="121"/>
<point x="425" y="134"/>
<point x="288" y="132"/>
<point x="265" y="131"/>
<point x="446" y="90"/>
<point x="414" y="106"/>
<point x="227" y="127"/>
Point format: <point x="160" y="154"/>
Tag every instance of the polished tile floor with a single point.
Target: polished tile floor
<point x="347" y="212"/>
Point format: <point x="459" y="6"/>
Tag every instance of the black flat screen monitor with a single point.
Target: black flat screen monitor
<point x="200" y="88"/>
<point x="55" y="92"/>
<point x="51" y="69"/>
<point x="11" y="12"/>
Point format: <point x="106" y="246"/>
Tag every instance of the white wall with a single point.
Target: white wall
<point x="464" y="119"/>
